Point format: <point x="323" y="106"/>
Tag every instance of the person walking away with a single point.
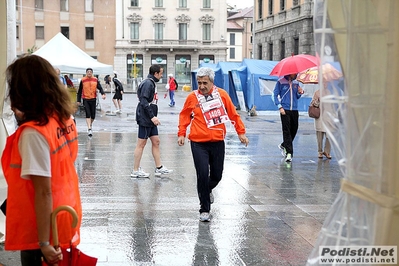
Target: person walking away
<point x="205" y="111"/>
<point x="172" y="88"/>
<point x="38" y="162"/>
<point x="117" y="99"/>
<point x="285" y="95"/>
<point x="107" y="80"/>
<point x="88" y="87"/>
<point x="320" y="130"/>
<point x="147" y="120"/>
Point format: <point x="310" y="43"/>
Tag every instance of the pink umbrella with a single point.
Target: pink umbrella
<point x="294" y="64"/>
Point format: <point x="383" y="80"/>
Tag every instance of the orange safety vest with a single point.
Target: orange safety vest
<point x="89" y="90"/>
<point x="21" y="226"/>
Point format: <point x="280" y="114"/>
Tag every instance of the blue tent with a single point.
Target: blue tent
<point x="221" y="74"/>
<point x="194" y="85"/>
<point x="249" y="75"/>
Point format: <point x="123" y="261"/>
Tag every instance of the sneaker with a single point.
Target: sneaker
<point x="205" y="217"/>
<point x="162" y="171"/>
<point x="211" y="198"/>
<point x="283" y="150"/>
<point x="139" y="173"/>
<point x="119" y="111"/>
<point x="89" y="132"/>
<point x="288" y="158"/>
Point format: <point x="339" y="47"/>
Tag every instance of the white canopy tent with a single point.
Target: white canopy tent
<point x="69" y="58"/>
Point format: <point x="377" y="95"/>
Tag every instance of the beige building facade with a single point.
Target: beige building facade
<point x="177" y="34"/>
<point x="89" y="24"/>
<point x="239" y="32"/>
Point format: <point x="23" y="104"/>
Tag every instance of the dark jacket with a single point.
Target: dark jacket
<point x="145" y="108"/>
<point x="118" y="84"/>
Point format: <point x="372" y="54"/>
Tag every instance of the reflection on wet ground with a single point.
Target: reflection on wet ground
<point x="266" y="211"/>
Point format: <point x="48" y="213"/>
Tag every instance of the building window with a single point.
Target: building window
<point x="65" y="31"/>
<point x="206" y="32"/>
<point x="158" y="31"/>
<point x="39" y="32"/>
<point x="232" y="39"/>
<point x="134" y="3"/>
<point x="64" y="5"/>
<point x="39" y="4"/>
<point x="232" y="53"/>
<point x="182" y="31"/>
<point x="251" y="39"/>
<point x="259" y="51"/>
<point x="270" y="7"/>
<point x="88" y="5"/>
<point x="158" y="3"/>
<point x="270" y="51"/>
<point x="89" y="33"/>
<point x="16" y="4"/>
<point x="295" y="2"/>
<point x="282" y="5"/>
<point x="134" y="30"/>
<point x="260" y="8"/>
<point x="182" y="3"/>
<point x="296" y="45"/>
<point x="207" y="3"/>
<point x="282" y="49"/>
<point x="17" y="32"/>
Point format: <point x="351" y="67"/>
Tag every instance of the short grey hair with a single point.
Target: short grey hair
<point x="206" y="72"/>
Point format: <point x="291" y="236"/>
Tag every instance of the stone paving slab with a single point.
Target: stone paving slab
<point x="266" y="212"/>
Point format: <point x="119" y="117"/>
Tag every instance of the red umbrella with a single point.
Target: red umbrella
<point x="73" y="256"/>
<point x="294" y="64"/>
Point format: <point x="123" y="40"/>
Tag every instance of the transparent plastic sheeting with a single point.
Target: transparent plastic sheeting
<point x="360" y="114"/>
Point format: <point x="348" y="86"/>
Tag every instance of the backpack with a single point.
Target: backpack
<point x="177" y="85"/>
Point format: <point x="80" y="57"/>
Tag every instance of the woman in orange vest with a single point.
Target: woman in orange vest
<point x="38" y="162"/>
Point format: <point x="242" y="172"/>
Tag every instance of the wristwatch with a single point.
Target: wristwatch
<point x="44" y="244"/>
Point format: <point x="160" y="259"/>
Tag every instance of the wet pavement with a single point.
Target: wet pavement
<point x="266" y="211"/>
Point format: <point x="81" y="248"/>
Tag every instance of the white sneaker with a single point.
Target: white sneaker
<point x="283" y="150"/>
<point x="162" y="171"/>
<point x="288" y="158"/>
<point x="205" y="217"/>
<point x="89" y="132"/>
<point x="139" y="173"/>
<point x="211" y="198"/>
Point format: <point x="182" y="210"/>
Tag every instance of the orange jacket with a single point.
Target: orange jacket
<point x="199" y="132"/>
<point x="21" y="226"/>
<point x="89" y="89"/>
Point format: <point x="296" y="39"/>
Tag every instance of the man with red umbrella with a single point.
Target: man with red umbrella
<point x="285" y="95"/>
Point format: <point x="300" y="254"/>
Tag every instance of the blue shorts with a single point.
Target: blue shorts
<point x="146" y="132"/>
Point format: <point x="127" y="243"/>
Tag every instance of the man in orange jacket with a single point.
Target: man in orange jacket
<point x="207" y="109"/>
<point x="88" y="92"/>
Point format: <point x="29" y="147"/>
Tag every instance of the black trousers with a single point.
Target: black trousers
<point x="208" y="161"/>
<point x="31" y="257"/>
<point x="289" y="123"/>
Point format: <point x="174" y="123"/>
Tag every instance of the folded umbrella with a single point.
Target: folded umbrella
<point x="72" y="256"/>
<point x="294" y="64"/>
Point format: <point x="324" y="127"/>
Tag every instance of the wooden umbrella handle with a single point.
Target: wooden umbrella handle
<point x="54" y="222"/>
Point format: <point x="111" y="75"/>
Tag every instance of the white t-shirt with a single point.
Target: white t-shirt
<point x="35" y="154"/>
